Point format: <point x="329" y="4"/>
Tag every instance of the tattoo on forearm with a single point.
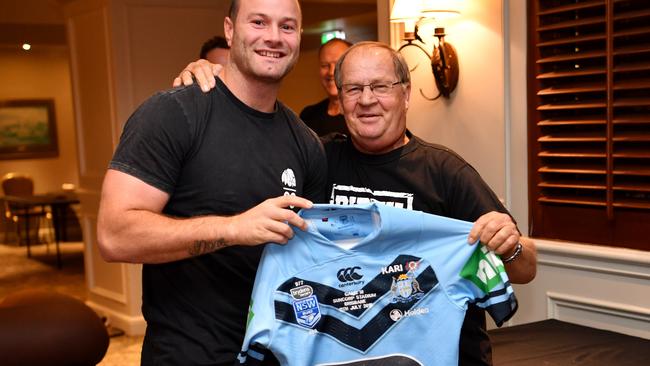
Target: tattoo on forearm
<point x="206" y="246"/>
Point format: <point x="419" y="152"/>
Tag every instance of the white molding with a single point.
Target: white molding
<point x="590" y="268"/>
<point x="593" y="258"/>
<point x="604" y="253"/>
<point x="507" y="108"/>
<point x="132" y="325"/>
<point x="601" y="314"/>
<point x="556" y="301"/>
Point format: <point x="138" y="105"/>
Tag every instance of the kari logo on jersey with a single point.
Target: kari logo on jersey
<point x="307" y="311"/>
<point x="289" y="182"/>
<point x="400" y="268"/>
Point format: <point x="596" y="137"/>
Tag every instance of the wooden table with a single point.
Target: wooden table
<point x="58" y="203"/>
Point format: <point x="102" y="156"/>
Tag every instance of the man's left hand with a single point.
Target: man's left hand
<point x="496" y="231"/>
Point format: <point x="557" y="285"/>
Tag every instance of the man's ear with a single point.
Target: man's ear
<point x="407" y="90"/>
<point x="228" y="27"/>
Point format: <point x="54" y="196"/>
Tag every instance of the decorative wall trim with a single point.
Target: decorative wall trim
<point x="89" y="253"/>
<point x="556" y="301"/>
<point x="592" y="258"/>
<point x="132" y="325"/>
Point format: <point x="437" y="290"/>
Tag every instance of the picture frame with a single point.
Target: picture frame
<point x="28" y="129"/>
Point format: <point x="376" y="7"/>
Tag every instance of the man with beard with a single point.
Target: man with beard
<point x="199" y="181"/>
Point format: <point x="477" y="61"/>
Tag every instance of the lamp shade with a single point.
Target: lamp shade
<point x="405" y="10"/>
<point x="440" y="8"/>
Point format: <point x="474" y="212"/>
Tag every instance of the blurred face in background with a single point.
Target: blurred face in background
<point x="328" y="55"/>
<point x="218" y="56"/>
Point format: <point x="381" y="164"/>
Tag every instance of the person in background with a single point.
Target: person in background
<point x="200" y="181"/>
<point x="325" y="117"/>
<point x="215" y="50"/>
<point x="381" y="161"/>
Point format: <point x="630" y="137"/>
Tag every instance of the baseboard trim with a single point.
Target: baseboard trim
<point x="131" y="325"/>
<point x="619" y="317"/>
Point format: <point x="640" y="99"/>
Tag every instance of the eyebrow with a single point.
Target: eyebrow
<point x="264" y="15"/>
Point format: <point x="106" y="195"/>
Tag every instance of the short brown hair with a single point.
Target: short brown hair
<point x="234" y="9"/>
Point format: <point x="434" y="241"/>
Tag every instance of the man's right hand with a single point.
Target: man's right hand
<point x="268" y="222"/>
<point x="203" y="71"/>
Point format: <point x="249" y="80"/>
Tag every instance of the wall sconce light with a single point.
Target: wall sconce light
<point x="444" y="61"/>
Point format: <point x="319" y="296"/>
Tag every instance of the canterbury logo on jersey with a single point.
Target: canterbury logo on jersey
<point x="383" y="295"/>
<point x="349" y="274"/>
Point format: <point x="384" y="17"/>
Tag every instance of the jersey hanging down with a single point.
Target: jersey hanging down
<point x="371" y="285"/>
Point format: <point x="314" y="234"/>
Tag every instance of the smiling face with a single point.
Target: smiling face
<point x="328" y="55"/>
<point x="376" y="124"/>
<point x="264" y="38"/>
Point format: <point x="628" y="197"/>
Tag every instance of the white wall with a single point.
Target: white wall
<point x="42" y="73"/>
<point x="471" y="122"/>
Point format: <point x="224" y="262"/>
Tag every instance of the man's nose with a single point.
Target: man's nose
<point x="367" y="96"/>
<point x="272" y="35"/>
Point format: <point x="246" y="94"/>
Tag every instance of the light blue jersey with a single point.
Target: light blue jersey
<point x="372" y="285"/>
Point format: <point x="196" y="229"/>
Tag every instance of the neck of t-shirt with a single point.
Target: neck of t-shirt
<point x="258" y="94"/>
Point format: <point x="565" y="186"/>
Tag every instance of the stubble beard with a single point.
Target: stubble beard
<point x="244" y="63"/>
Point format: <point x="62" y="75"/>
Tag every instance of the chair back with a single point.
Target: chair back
<point x="16" y="184"/>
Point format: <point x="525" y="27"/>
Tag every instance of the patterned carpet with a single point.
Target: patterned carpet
<point x="18" y="272"/>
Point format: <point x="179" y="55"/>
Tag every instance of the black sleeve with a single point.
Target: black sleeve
<point x="154" y="142"/>
<point x="470" y="196"/>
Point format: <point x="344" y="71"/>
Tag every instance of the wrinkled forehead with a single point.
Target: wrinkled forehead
<point x="367" y="64"/>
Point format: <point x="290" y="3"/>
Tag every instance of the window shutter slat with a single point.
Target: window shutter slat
<point x="589" y="120"/>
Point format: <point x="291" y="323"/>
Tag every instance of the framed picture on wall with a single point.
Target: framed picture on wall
<point x="28" y="129"/>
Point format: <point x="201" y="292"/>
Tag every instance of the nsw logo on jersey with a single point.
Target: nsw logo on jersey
<point x="307" y="311"/>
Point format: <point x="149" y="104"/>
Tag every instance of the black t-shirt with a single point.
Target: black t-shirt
<point x="213" y="155"/>
<point x="317" y="118"/>
<point x="424" y="177"/>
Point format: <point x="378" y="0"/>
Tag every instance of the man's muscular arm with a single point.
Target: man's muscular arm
<point x="131" y="226"/>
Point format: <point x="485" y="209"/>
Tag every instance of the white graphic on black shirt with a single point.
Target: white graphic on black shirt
<point x="351" y="195"/>
<point x="289" y="182"/>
